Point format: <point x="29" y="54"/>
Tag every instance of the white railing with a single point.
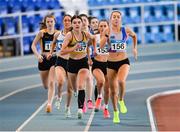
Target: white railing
<point x="20" y="35"/>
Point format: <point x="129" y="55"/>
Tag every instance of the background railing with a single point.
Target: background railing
<point x="17" y="30"/>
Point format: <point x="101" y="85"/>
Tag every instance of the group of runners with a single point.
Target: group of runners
<point x="86" y="49"/>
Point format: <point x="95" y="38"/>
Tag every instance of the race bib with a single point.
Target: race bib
<point x="91" y="51"/>
<point x="103" y="51"/>
<point x="118" y="46"/>
<point x="82" y="48"/>
<point x="59" y="45"/>
<point x="48" y="45"/>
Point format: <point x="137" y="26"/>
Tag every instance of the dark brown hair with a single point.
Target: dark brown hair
<point x="91" y="18"/>
<point x="76" y="17"/>
<point x="83" y="15"/>
<point x="103" y="20"/>
<point x="66" y="16"/>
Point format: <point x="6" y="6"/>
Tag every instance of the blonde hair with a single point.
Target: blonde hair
<point x="114" y="12"/>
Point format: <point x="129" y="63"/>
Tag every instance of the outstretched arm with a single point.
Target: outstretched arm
<point x="65" y="49"/>
<point x="104" y="38"/>
<point x="33" y="46"/>
<point x="134" y="37"/>
<point x="53" y="44"/>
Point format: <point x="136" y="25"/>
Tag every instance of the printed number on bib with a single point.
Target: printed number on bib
<point x="47" y="45"/>
<point x="118" y="46"/>
<point x="102" y="51"/>
<point x="59" y="45"/>
<point x="82" y="47"/>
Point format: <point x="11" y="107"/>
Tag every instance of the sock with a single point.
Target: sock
<point x="99" y="95"/>
<point x="106" y="106"/>
<point x="68" y="108"/>
<point x="81" y="98"/>
<point x="95" y="92"/>
<point x="89" y="100"/>
<point x="59" y="99"/>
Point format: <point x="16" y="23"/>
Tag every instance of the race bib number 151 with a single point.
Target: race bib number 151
<point x="47" y="45"/>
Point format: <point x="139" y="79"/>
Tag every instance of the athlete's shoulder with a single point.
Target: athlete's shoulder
<point x="43" y="30"/>
<point x="41" y="33"/>
<point x="57" y="33"/>
<point x="69" y="35"/>
<point x="127" y="28"/>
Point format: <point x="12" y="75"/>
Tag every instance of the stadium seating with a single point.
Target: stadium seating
<point x="178" y="11"/>
<point x="26" y="45"/>
<point x="3" y="7"/>
<point x="131" y="15"/>
<point x="10" y="26"/>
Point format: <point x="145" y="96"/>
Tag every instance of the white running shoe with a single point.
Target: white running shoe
<point x="58" y="103"/>
<point x="75" y="93"/>
<point x="67" y="113"/>
<point x="80" y="113"/>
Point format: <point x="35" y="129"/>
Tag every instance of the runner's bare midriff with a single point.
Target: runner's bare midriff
<point x="117" y="56"/>
<point x="77" y="56"/>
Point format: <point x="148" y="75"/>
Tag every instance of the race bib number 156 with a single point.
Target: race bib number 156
<point x="118" y="46"/>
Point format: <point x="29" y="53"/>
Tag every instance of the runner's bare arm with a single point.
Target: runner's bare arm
<point x="35" y="42"/>
<point x="92" y="39"/>
<point x="53" y="43"/>
<point x="65" y="49"/>
<point x="105" y="38"/>
<point x="134" y="37"/>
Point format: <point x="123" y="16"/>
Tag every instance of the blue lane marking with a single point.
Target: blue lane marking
<point x="157" y="74"/>
<point x="156" y="57"/>
<point x="30" y="71"/>
<point x="137" y="117"/>
<point x="17" y="108"/>
<point x="18" y="73"/>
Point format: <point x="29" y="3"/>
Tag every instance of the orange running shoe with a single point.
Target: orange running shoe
<point x="106" y="113"/>
<point x="48" y="108"/>
<point x="98" y="104"/>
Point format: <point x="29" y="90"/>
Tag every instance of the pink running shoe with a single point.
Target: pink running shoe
<point x="84" y="107"/>
<point x="106" y="113"/>
<point x="90" y="104"/>
<point x="103" y="107"/>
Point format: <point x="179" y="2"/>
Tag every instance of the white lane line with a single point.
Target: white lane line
<point x="150" y="111"/>
<point x="89" y="121"/>
<point x="18" y="58"/>
<point x="33" y="115"/>
<point x="37" y="75"/>
<point x="154" y="70"/>
<point x="92" y="114"/>
<point x="155" y="62"/>
<point x="127" y="91"/>
<point x="20" y="90"/>
<point x="158" y="53"/>
<point x="18" y="78"/>
<point x="18" y="68"/>
<point x="152" y="79"/>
